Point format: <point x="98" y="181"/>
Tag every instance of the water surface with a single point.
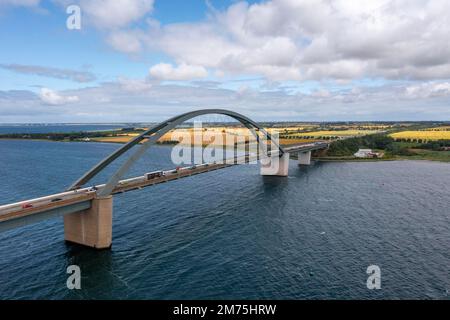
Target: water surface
<point x="232" y="234"/>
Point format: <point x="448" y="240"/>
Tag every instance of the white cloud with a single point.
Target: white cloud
<point x="52" y="72"/>
<point x="321" y="93"/>
<point x="428" y="90"/>
<point x="338" y="44"/>
<point x="289" y="39"/>
<point x="126" y="42"/>
<point x="113" y="102"/>
<point x="165" y="71"/>
<point x="24" y="3"/>
<point x="134" y="85"/>
<point x="51" y="97"/>
<point x="304" y="40"/>
<point x="111" y="14"/>
<point x="116" y="13"/>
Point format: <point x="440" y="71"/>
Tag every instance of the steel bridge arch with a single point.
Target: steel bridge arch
<point x="153" y="134"/>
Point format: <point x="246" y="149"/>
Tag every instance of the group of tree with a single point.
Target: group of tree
<point x="436" y="145"/>
<point x="348" y="147"/>
<point x="59" y="136"/>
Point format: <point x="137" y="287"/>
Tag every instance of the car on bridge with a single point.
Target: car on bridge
<point x="154" y="174"/>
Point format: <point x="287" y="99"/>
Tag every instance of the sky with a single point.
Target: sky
<point x="278" y="60"/>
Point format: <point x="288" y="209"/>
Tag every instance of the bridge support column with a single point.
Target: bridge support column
<point x="276" y="166"/>
<point x="91" y="227"/>
<point x="304" y="158"/>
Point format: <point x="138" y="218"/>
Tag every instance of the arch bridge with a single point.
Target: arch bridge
<point x="87" y="211"/>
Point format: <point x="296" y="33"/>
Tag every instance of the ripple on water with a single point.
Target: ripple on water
<point x="233" y="234"/>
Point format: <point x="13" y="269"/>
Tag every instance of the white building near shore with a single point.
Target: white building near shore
<point x="363" y="153"/>
<point x="368" y="153"/>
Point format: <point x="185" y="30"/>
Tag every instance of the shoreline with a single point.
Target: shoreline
<point x="324" y="159"/>
<point x="412" y="158"/>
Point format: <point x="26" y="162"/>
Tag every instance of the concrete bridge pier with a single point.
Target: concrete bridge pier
<point x="304" y="158"/>
<point x="275" y="166"/>
<point x="91" y="227"/>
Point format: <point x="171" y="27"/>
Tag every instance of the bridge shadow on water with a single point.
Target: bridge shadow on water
<point x="245" y="213"/>
<point x="176" y="234"/>
<point x="273" y="182"/>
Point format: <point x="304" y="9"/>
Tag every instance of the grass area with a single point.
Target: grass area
<point x="335" y="133"/>
<point x="407" y="144"/>
<point x="417" y="154"/>
<point x="422" y="154"/>
<point x="353" y="159"/>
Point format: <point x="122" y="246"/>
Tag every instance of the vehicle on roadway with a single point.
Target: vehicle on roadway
<point x="131" y="180"/>
<point x="154" y="174"/>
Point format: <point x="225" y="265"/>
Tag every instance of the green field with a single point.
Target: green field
<point x="431" y="155"/>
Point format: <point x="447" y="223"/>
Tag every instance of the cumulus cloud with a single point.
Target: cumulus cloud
<point x="327" y="47"/>
<point x="165" y="71"/>
<point x="66" y="74"/>
<point x="51" y="97"/>
<point x="289" y="39"/>
<point x="303" y="40"/>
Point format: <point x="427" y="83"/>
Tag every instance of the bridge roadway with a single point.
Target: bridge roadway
<point x="33" y="210"/>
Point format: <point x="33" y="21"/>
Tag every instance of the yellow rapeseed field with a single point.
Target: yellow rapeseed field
<point x="423" y="135"/>
<point x="231" y="135"/>
<point x="228" y="136"/>
<point x="295" y="141"/>
<point x="337" y="133"/>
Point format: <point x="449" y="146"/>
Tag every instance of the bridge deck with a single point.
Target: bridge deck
<point x="32" y="210"/>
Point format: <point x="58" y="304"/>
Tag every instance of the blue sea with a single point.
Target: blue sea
<point x="232" y="234"/>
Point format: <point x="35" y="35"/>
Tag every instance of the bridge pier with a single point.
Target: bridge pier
<point x="304" y="158"/>
<point x="91" y="227"/>
<point x="276" y="166"/>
